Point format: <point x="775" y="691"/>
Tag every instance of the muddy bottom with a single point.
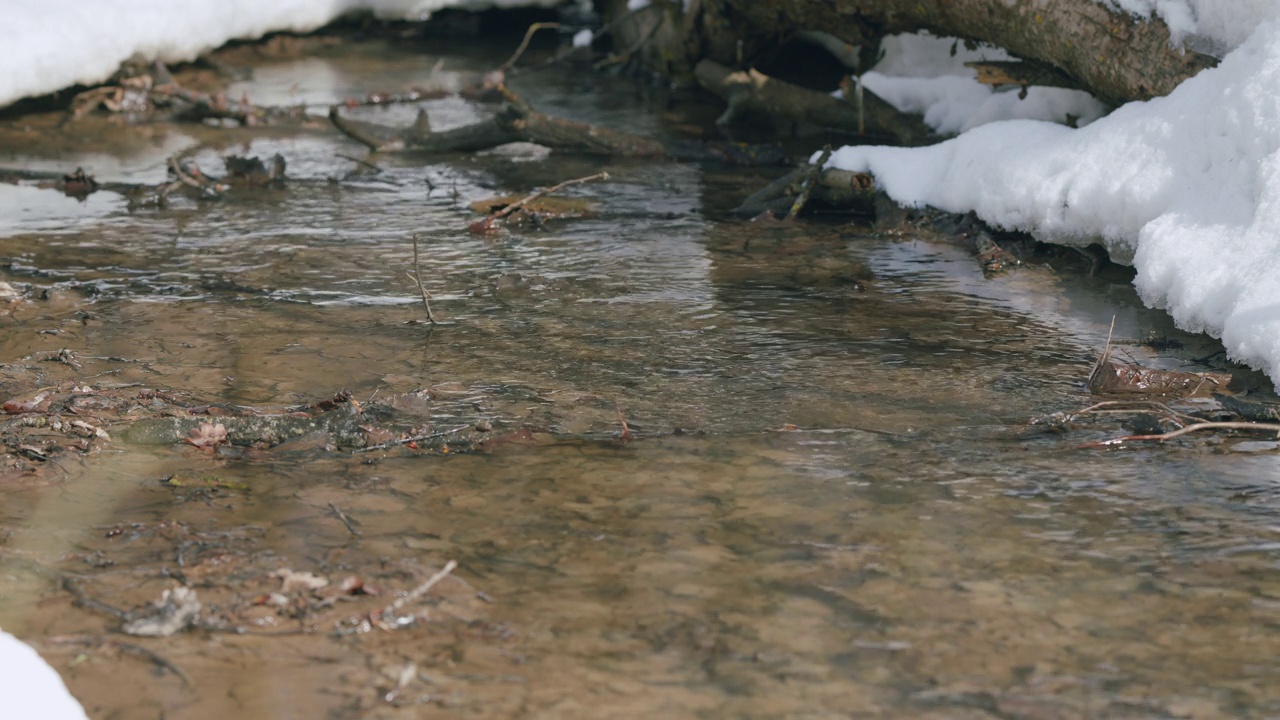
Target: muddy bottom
<point x="827" y="505"/>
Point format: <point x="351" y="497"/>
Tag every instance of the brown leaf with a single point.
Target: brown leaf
<point x="39" y="403"/>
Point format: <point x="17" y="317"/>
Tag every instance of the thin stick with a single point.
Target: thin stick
<point x="417" y="277"/>
<point x="606" y="30"/>
<point x="626" y="54"/>
<point x="365" y="163"/>
<point x="524" y="44"/>
<point x="1109" y="407"/>
<point x="416" y="438"/>
<point x="810" y="180"/>
<point x="157" y="659"/>
<point x="862" y="124"/>
<point x="1270" y="427"/>
<point x="345" y="520"/>
<point x="547" y="191"/>
<point x="83" y="600"/>
<point x="1104" y="357"/>
<point x="422" y="589"/>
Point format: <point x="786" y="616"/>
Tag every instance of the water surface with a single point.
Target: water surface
<point x="829" y="509"/>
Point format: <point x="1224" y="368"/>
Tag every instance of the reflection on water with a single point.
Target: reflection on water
<point x="899" y="553"/>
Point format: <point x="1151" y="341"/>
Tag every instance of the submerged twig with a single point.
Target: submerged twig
<point x="156" y="659"/>
<point x="358" y="161"/>
<point x="546" y="191"/>
<point x="414" y="439"/>
<point x="417" y="277"/>
<point x="345" y="520"/>
<point x="1269" y="427"/>
<point x="82" y="599"/>
<point x="421" y="589"/>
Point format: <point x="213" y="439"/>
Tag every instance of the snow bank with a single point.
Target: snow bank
<point x="925" y="75"/>
<point x="29" y="688"/>
<point x="53" y="44"/>
<point x="1186" y="186"/>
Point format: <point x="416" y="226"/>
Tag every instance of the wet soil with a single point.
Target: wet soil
<point x="828" y="508"/>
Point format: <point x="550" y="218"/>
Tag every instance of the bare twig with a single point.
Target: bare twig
<point x="546" y="191"/>
<point x="1269" y="427"/>
<point x="1128" y="406"/>
<point x="157" y="659"/>
<point x="524" y="44"/>
<point x="810" y="180"/>
<point x="626" y="54"/>
<point x="345" y="520"/>
<point x="83" y="600"/>
<point x="414" y="439"/>
<point x="417" y="277"/>
<point x="357" y="160"/>
<point x="1103" y="357"/>
<point x="606" y="30"/>
<point x="421" y="589"/>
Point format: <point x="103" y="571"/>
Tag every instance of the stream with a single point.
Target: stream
<point x="829" y="507"/>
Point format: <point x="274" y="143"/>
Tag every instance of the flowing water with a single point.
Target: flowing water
<point x="828" y="508"/>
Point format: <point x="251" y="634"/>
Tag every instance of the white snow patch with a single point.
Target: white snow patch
<point x="53" y="44"/>
<point x="29" y="688"/>
<point x="1187" y="186"/>
<point x="925" y="75"/>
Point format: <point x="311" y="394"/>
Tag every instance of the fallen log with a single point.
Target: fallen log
<point x="1110" y="53"/>
<point x="837" y="188"/>
<point x="751" y="93"/>
<point x="515" y="122"/>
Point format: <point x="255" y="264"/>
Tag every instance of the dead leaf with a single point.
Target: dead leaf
<point x="35" y="404"/>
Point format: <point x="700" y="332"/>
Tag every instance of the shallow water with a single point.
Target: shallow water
<point x="829" y="509"/>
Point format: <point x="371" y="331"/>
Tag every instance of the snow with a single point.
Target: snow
<point x="920" y="74"/>
<point x="1186" y="187"/>
<point x="29" y="688"/>
<point x="53" y="44"/>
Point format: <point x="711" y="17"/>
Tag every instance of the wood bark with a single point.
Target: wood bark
<point x="515" y="122"/>
<point x="751" y="93"/>
<point x="1113" y="55"/>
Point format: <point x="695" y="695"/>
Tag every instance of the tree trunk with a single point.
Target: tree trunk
<point x="1113" y="55"/>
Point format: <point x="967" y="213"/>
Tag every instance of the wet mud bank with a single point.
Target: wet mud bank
<point x="651" y="459"/>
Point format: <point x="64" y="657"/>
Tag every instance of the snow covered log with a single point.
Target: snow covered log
<point x="1112" y="54"/>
